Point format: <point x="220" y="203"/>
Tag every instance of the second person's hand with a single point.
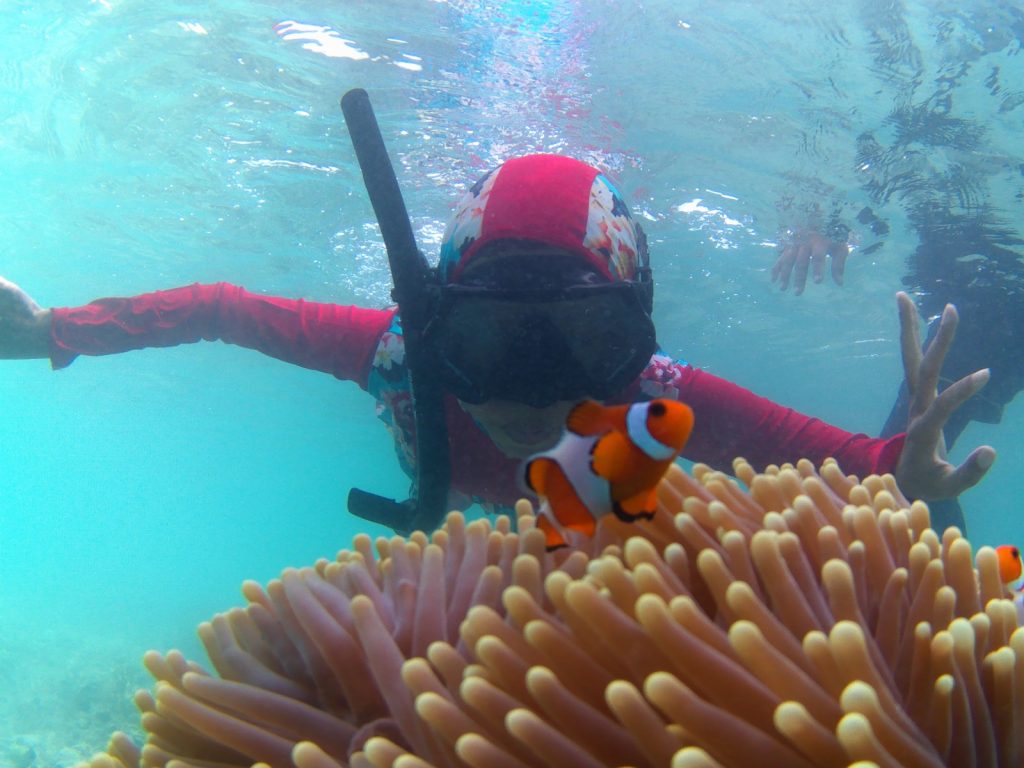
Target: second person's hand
<point x="807" y="250"/>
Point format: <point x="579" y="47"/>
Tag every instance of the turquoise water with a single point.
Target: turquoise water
<point x="147" y="146"/>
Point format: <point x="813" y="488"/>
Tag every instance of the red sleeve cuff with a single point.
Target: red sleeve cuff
<point x="886" y="455"/>
<point x="60" y="355"/>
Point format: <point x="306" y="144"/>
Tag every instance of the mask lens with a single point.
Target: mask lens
<point x="539" y="348"/>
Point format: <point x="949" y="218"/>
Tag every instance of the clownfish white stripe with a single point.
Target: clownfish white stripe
<point x="573" y="455"/>
<point x="636" y="428"/>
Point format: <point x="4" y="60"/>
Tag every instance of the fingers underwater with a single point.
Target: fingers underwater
<point x="818" y="256"/>
<point x="935" y="354"/>
<point x="839" y="255"/>
<point x="803" y="263"/>
<point x="910" y="339"/>
<point x="974" y="468"/>
<point x="784" y="267"/>
<point x="959" y="392"/>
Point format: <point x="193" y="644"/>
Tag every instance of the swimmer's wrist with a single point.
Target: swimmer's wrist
<point x="32" y="339"/>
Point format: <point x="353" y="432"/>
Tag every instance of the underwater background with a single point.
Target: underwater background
<point x="146" y="146"/>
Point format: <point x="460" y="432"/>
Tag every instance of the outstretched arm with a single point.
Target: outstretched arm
<point x="731" y="421"/>
<point x="336" y="339"/>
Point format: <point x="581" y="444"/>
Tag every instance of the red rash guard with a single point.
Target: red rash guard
<point x="343" y="341"/>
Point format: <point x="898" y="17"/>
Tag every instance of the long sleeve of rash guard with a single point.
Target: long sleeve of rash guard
<point x="732" y="421"/>
<point x="340" y="340"/>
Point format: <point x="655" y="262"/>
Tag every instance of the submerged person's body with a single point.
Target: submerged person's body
<point x="971" y="259"/>
<point x="547" y="247"/>
<point x="945" y="155"/>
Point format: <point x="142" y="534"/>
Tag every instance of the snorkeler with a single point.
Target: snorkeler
<point x="543" y="299"/>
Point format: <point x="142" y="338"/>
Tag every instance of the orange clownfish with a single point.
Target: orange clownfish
<point x="1010" y="567"/>
<point x="609" y="461"/>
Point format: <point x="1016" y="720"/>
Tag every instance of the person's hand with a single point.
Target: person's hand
<point x="923" y="471"/>
<point x="24" y="325"/>
<point x="805" y="250"/>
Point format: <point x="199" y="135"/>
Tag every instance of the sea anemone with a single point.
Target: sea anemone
<point x="809" y="619"/>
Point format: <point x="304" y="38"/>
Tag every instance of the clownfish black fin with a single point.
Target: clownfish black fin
<point x="642" y="506"/>
<point x="553" y="539"/>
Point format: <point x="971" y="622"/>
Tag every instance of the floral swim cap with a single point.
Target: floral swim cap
<point x="549" y="199"/>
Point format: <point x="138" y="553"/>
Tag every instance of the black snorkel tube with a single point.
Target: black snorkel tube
<point x="412" y="278"/>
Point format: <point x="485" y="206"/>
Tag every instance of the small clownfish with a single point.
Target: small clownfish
<point x="609" y="461"/>
<point x="1010" y="566"/>
<point x="1010" y="570"/>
